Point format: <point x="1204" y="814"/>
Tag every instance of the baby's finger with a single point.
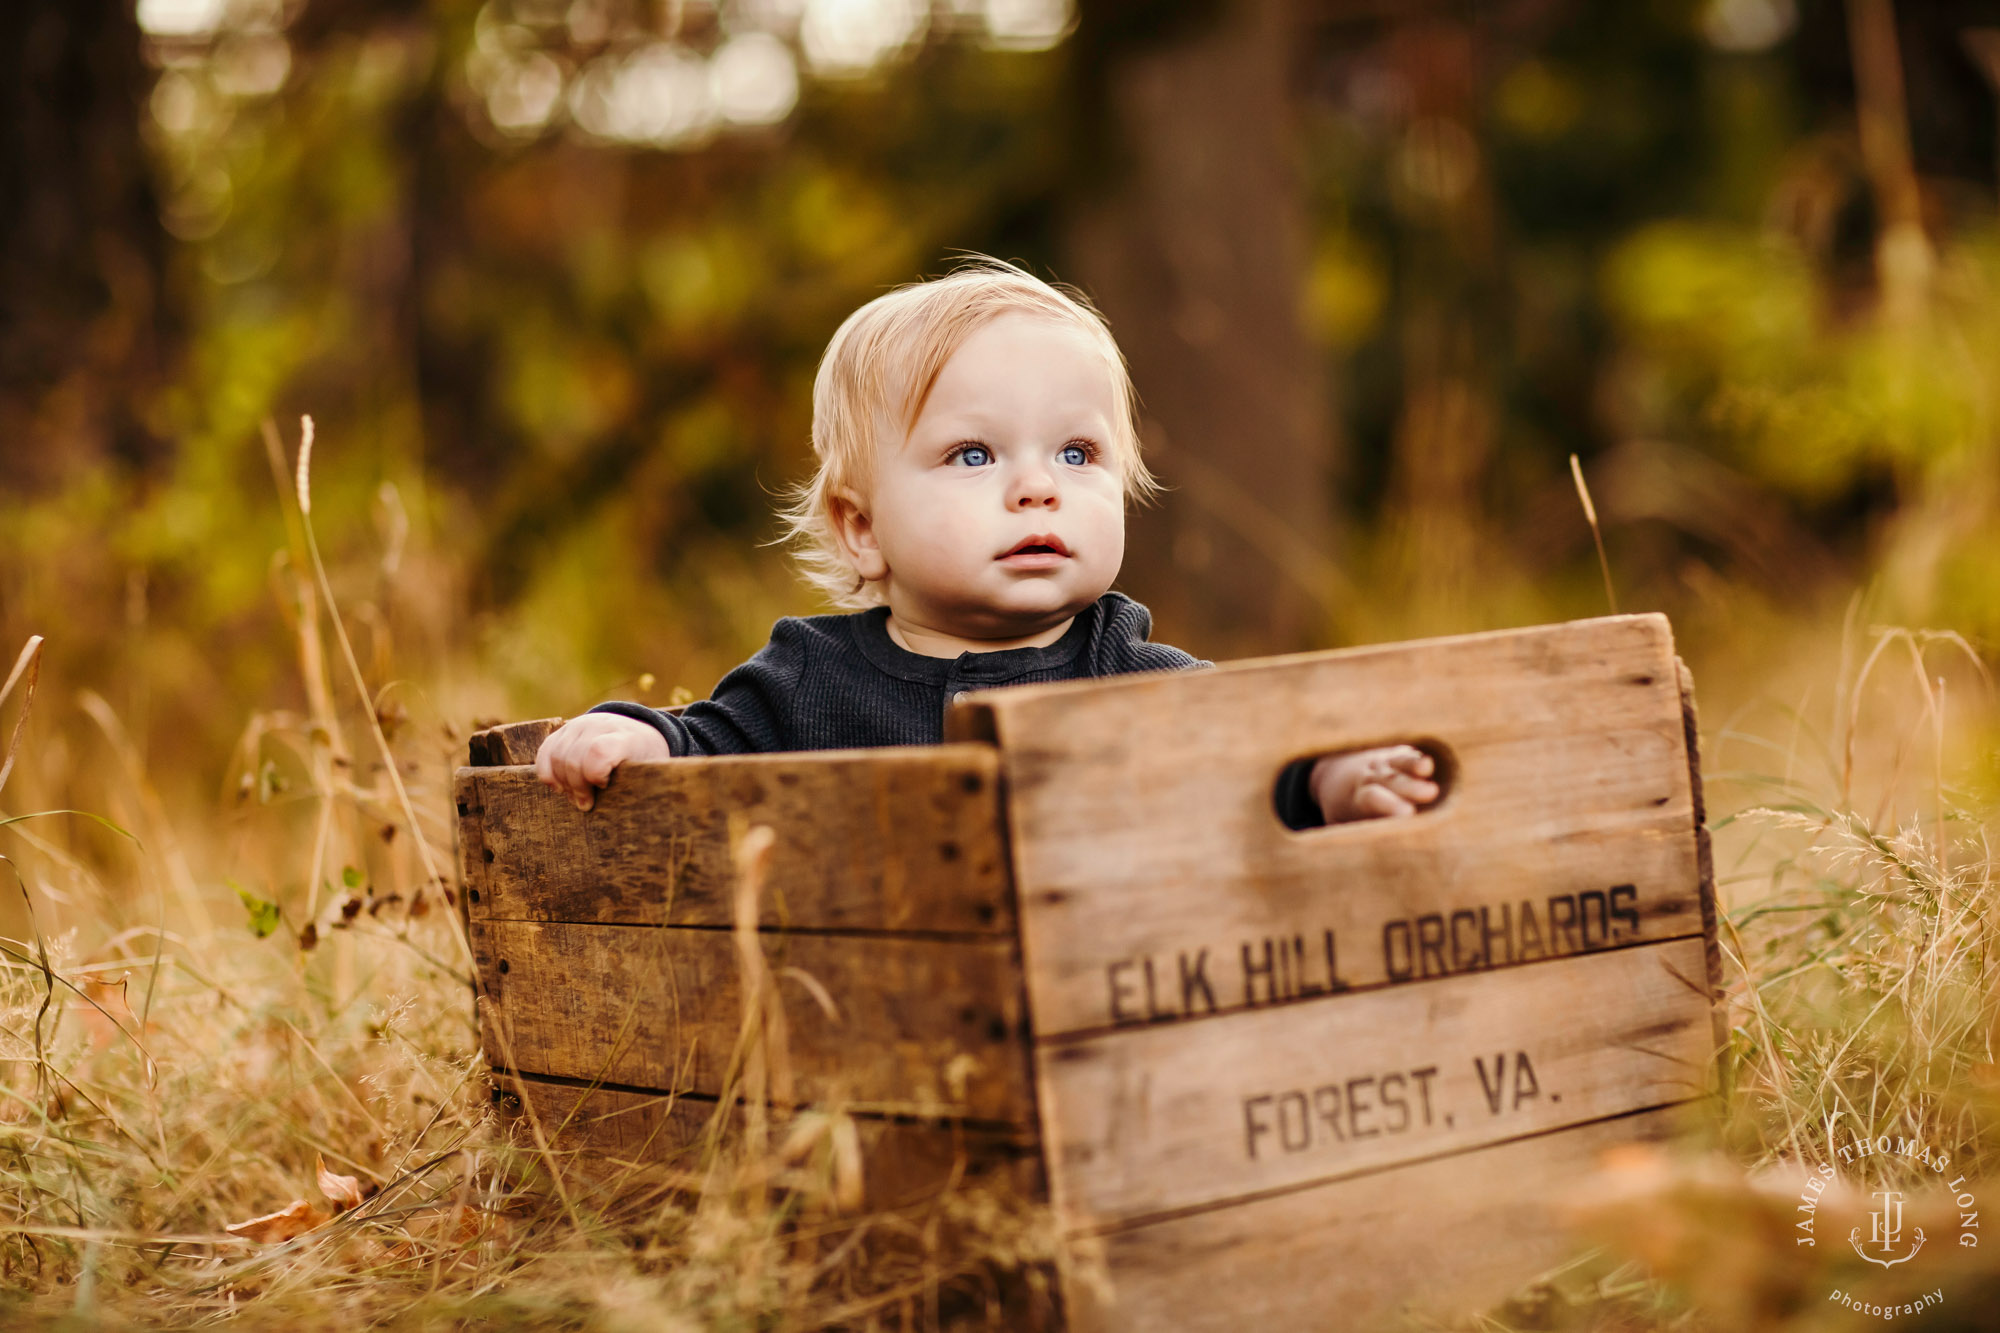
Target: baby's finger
<point x="575" y="779"/>
<point x="552" y="761"/>
<point x="1417" y="791"/>
<point x="566" y="771"/>
<point x="1409" y="759"/>
<point x="1376" y="801"/>
<point x="599" y="758"/>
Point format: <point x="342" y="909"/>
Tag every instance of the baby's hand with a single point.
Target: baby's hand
<point x="578" y="756"/>
<point x="1369" y="784"/>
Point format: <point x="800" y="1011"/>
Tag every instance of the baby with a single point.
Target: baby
<point x="977" y="443"/>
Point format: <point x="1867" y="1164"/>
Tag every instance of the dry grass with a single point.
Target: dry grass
<point x="138" y="1128"/>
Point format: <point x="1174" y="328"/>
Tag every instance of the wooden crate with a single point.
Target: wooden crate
<point x="1261" y="1073"/>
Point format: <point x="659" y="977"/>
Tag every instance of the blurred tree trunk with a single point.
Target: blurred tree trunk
<point x="1192" y="239"/>
<point x="82" y="252"/>
<point x="1451" y="287"/>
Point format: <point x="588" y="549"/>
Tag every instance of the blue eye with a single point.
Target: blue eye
<point x="1076" y="455"/>
<point x="972" y="455"/>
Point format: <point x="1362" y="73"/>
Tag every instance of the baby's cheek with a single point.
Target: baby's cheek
<point x="946" y="553"/>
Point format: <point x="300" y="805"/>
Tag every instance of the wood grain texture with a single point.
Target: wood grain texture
<point x="1444" y="1237"/>
<point x="1704" y="850"/>
<point x="472" y="859"/>
<point x="1172" y="1117"/>
<point x="509" y="743"/>
<point x="606" y="1131"/>
<point x="925" y="1026"/>
<point x="905" y="839"/>
<point x="1143" y="827"/>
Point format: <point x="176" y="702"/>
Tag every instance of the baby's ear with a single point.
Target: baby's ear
<point x="855" y="531"/>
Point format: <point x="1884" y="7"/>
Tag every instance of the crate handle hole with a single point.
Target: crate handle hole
<point x="1297" y="805"/>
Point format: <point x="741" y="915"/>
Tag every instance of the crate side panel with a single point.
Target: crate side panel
<point x="1144" y="831"/>
<point x="613" y="1130"/>
<point x="472" y="858"/>
<point x="919" y="1026"/>
<point x="1443" y="1238"/>
<point x="893" y="839"/>
<point x="1171" y="1118"/>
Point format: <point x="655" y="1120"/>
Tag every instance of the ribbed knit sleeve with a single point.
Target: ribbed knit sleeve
<point x="751" y="712"/>
<point x="1293" y="796"/>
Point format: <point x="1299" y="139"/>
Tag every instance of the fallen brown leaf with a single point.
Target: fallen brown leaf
<point x="104" y="1009"/>
<point x="341" y="1191"/>
<point x="1727" y="1236"/>
<point x="293" y="1220"/>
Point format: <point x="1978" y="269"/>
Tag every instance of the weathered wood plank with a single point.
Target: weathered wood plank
<point x="510" y="742"/>
<point x="1704" y="850"/>
<point x="613" y="1130"/>
<point x="1175" y="1117"/>
<point x="904" y="839"/>
<point x="1143" y="829"/>
<point x="1444" y="1237"/>
<point x="924" y="1026"/>
<point x="472" y="858"/>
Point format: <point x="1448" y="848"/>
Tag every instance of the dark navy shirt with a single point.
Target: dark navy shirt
<point x="840" y="682"/>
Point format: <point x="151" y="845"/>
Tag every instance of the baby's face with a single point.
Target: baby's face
<point x="1003" y="513"/>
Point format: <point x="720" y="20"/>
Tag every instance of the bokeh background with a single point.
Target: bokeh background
<point x="552" y="277"/>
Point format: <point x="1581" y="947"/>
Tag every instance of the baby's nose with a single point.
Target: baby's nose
<point x="1036" y="490"/>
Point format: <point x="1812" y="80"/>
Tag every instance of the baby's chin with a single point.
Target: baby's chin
<point x="1022" y="610"/>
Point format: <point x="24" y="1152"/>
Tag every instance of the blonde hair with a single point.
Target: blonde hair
<point x="878" y="372"/>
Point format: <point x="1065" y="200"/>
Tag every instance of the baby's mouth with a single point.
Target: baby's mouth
<point x="1041" y="548"/>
